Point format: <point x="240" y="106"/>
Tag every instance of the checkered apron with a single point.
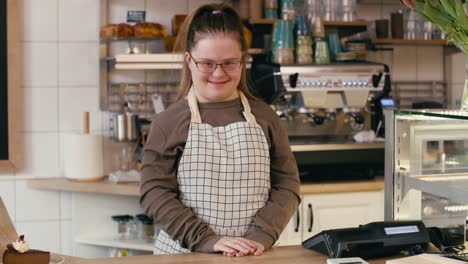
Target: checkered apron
<point x="223" y="175"/>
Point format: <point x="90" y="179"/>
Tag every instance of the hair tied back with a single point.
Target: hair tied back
<point x="216" y="12"/>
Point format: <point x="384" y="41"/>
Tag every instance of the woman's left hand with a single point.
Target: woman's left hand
<point x="259" y="248"/>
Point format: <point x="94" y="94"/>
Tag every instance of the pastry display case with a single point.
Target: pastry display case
<point x="426" y="167"/>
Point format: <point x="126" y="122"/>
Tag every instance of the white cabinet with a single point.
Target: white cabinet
<point x="319" y="212"/>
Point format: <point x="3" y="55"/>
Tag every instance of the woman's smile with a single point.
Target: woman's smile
<point x="218" y="84"/>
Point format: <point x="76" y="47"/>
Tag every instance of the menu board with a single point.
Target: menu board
<point x="3" y="82"/>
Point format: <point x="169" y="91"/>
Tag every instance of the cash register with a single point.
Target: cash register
<point x="376" y="239"/>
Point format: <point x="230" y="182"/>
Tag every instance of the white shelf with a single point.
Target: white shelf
<point x="156" y="61"/>
<point x="149" y="58"/>
<point x="148" y="66"/>
<point x="453" y="187"/>
<point x="148" y="61"/>
<point x="111" y="242"/>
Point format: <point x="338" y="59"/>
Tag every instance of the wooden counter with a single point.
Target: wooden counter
<point x="132" y="189"/>
<point x="279" y="255"/>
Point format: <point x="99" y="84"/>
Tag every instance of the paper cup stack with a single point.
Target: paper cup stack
<point x="83" y="156"/>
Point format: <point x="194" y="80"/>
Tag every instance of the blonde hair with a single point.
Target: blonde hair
<point x="206" y="20"/>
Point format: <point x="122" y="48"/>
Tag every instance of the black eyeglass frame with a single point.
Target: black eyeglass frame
<point x="215" y="65"/>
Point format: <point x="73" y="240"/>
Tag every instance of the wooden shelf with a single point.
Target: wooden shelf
<point x="133" y="189"/>
<point x="376" y="184"/>
<point x="346" y="23"/>
<point x="325" y="23"/>
<point x="333" y="147"/>
<point x="103" y="187"/>
<point x="410" y="41"/>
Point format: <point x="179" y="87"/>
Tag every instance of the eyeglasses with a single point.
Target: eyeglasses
<point x="209" y="66"/>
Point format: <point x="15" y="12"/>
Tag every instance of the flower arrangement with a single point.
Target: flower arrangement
<point x="451" y="16"/>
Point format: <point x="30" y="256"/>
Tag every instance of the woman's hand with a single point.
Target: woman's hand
<point x="238" y="247"/>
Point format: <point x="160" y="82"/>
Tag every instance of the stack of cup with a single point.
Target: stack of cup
<point x="270" y="9"/>
<point x="334" y="45"/>
<point x="283" y="43"/>
<point x="303" y="40"/>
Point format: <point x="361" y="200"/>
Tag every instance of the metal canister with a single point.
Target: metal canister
<point x="125" y="127"/>
<point x="132" y="130"/>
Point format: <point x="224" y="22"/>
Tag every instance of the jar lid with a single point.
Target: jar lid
<point x="122" y="218"/>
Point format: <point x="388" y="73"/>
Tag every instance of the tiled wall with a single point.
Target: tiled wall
<point x="60" y="81"/>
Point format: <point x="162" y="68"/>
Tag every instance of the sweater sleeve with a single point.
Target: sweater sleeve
<point x="284" y="196"/>
<point x="159" y="196"/>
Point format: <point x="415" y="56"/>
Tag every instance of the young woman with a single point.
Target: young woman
<point x="218" y="174"/>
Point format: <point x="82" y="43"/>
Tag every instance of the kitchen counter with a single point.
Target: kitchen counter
<point x="280" y="255"/>
<point x="132" y="189"/>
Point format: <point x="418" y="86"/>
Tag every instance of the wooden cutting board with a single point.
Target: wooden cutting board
<point x="7" y="229"/>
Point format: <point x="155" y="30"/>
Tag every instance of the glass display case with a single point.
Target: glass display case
<point x="426" y="166"/>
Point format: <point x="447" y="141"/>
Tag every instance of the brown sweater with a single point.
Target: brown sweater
<point x="159" y="186"/>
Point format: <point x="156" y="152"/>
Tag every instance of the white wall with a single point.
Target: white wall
<point x="60" y="81"/>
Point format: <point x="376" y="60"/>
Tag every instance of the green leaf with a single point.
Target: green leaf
<point x="447" y="5"/>
<point x="436" y="16"/>
<point x="462" y="18"/>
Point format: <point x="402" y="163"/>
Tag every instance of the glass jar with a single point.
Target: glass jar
<point x="125" y="227"/>
<point x="145" y="228"/>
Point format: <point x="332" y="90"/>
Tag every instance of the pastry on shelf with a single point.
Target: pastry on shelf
<point x="108" y="31"/>
<point x="149" y="30"/>
<point x="121" y="30"/>
<point x="125" y="31"/>
<point x="18" y="252"/>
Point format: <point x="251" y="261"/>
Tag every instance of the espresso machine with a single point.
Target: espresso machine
<point x="332" y="101"/>
<point x="324" y="105"/>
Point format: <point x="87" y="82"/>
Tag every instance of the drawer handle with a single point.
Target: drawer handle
<point x="311" y="212"/>
<point x="298" y="221"/>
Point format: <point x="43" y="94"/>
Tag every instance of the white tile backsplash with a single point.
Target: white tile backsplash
<point x="66" y="205"/>
<point x="457" y="67"/>
<point x="35" y="232"/>
<point x="405" y="63"/>
<point x="40" y="109"/>
<point x="66" y="237"/>
<point x="40" y="153"/>
<point x="79" y="64"/>
<point x="73" y="102"/>
<point x="157" y="11"/>
<point x="72" y="26"/>
<point x="7" y="193"/>
<point x="36" y="205"/>
<point x="40" y="20"/>
<point x="430" y="63"/>
<point x="40" y="64"/>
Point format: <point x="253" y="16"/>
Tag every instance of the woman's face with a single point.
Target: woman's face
<point x="221" y="84"/>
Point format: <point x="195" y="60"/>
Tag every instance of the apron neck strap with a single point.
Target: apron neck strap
<point x="192" y="101"/>
<point x="247" y="112"/>
<point x="195" y="112"/>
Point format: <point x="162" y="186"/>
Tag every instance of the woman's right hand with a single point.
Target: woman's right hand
<point x="235" y="246"/>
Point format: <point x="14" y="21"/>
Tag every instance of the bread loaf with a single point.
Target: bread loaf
<point x="125" y="31"/>
<point x="108" y="31"/>
<point x="149" y="30"/>
<point x="121" y="30"/>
